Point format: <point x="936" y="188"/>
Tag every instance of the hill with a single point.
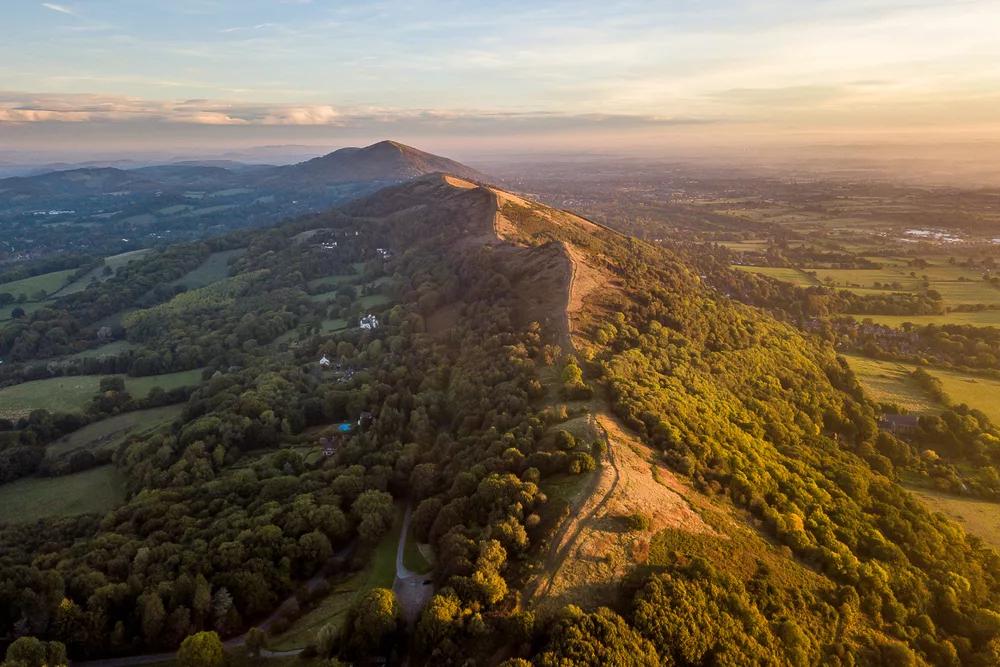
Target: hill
<point x="610" y="461"/>
<point x="385" y="161"/>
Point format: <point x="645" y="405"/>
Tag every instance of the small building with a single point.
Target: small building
<point x="324" y="362"/>
<point x="898" y="423"/>
<point x="369" y="322"/>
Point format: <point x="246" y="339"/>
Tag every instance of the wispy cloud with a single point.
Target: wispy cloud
<point x="62" y="9"/>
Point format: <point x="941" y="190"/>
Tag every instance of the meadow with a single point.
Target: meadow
<point x="978" y="517"/>
<point x="73" y="393"/>
<point x="113" y="429"/>
<point x="49" y="282"/>
<point x="788" y="275"/>
<point x="977" y="392"/>
<point x="890" y="382"/>
<point x="212" y="270"/>
<point x="31" y="498"/>
<point x="984" y="318"/>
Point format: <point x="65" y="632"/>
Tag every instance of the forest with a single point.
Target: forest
<point x="224" y="519"/>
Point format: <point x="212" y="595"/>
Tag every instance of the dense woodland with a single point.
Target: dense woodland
<point x="224" y="520"/>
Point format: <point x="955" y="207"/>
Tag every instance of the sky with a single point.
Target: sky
<point x="136" y="74"/>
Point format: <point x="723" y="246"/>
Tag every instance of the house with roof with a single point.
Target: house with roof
<point x="325" y="361"/>
<point x="901" y="424"/>
<point x="368" y="322"/>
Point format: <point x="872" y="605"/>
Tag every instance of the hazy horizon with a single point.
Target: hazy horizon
<point x="109" y="76"/>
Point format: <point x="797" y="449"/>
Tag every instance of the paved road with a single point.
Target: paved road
<point x="154" y="658"/>
<point x="409" y="587"/>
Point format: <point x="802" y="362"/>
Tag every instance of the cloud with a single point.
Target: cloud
<point x="21" y="108"/>
<point x="59" y="8"/>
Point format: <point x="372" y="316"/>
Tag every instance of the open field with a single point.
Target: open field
<point x="413" y="559"/>
<point x="109" y="431"/>
<point x="50" y="282"/>
<point x="115" y="262"/>
<point x="890" y="382"/>
<point x="31" y="498"/>
<point x="332" y="281"/>
<point x="374" y="300"/>
<point x="985" y="318"/>
<point x="329" y="326"/>
<point x="214" y="269"/>
<point x="978" y="392"/>
<point x="795" y="276"/>
<point x="978" y="517"/>
<point x="30" y="307"/>
<point x="110" y="349"/>
<point x="70" y="393"/>
<point x="380" y="573"/>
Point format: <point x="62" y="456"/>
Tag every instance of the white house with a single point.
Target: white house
<point x="324" y="362"/>
<point x="369" y="322"/>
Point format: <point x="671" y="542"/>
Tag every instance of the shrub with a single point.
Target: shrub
<point x="637" y="522"/>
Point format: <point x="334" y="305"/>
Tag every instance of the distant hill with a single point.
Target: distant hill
<point x="386" y="161"/>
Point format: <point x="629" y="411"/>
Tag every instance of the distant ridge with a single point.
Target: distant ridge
<point x="386" y="161"/>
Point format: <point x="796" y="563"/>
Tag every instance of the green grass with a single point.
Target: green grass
<point x="978" y="517"/>
<point x="5" y="311"/>
<point x="794" y="276"/>
<point x="214" y="269"/>
<point x="986" y="318"/>
<point x="332" y="281"/>
<point x="197" y="213"/>
<point x="115" y="348"/>
<point x="72" y="393"/>
<point x="413" y="560"/>
<point x="380" y="573"/>
<point x="329" y="326"/>
<point x="373" y="300"/>
<point x="50" y="282"/>
<point x="113" y="429"/>
<point x="30" y="498"/>
<point x="115" y="262"/>
<point x="230" y="193"/>
<point x="890" y="382"/>
<point x="977" y="392"/>
<point x="177" y="208"/>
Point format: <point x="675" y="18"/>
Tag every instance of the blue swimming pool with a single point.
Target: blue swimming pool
<point x="344" y="427"/>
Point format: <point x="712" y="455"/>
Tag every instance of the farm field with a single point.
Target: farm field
<point x="32" y="498"/>
<point x="115" y="262"/>
<point x="336" y="324"/>
<point x="108" y="431"/>
<point x="890" y="382"/>
<point x="30" y="307"/>
<point x="795" y="276"/>
<point x="978" y="517"/>
<point x="985" y="318"/>
<point x="214" y="269"/>
<point x="50" y="282"/>
<point x="332" y="281"/>
<point x="70" y="393"/>
<point x="978" y="392"/>
<point x="373" y="300"/>
<point x="380" y="573"/>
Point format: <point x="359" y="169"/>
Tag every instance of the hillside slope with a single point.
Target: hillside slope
<point x="385" y="161"/>
<point x="611" y="462"/>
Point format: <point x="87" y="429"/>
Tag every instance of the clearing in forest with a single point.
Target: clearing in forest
<point x="978" y="517"/>
<point x="30" y="498"/>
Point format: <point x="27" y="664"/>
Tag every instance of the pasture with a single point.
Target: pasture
<point x="977" y="392"/>
<point x="890" y="382"/>
<point x="985" y="318"/>
<point x="788" y="275"/>
<point x="73" y="393"/>
<point x="113" y="429"/>
<point x="115" y="262"/>
<point x="978" y="517"/>
<point x="30" y="498"/>
<point x="49" y="282"/>
<point x="212" y="270"/>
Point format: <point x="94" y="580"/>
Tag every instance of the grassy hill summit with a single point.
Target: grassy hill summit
<point x="382" y="161"/>
<point x="599" y="457"/>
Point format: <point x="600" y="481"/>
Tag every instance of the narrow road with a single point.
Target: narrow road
<point x="155" y="658"/>
<point x="412" y="590"/>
